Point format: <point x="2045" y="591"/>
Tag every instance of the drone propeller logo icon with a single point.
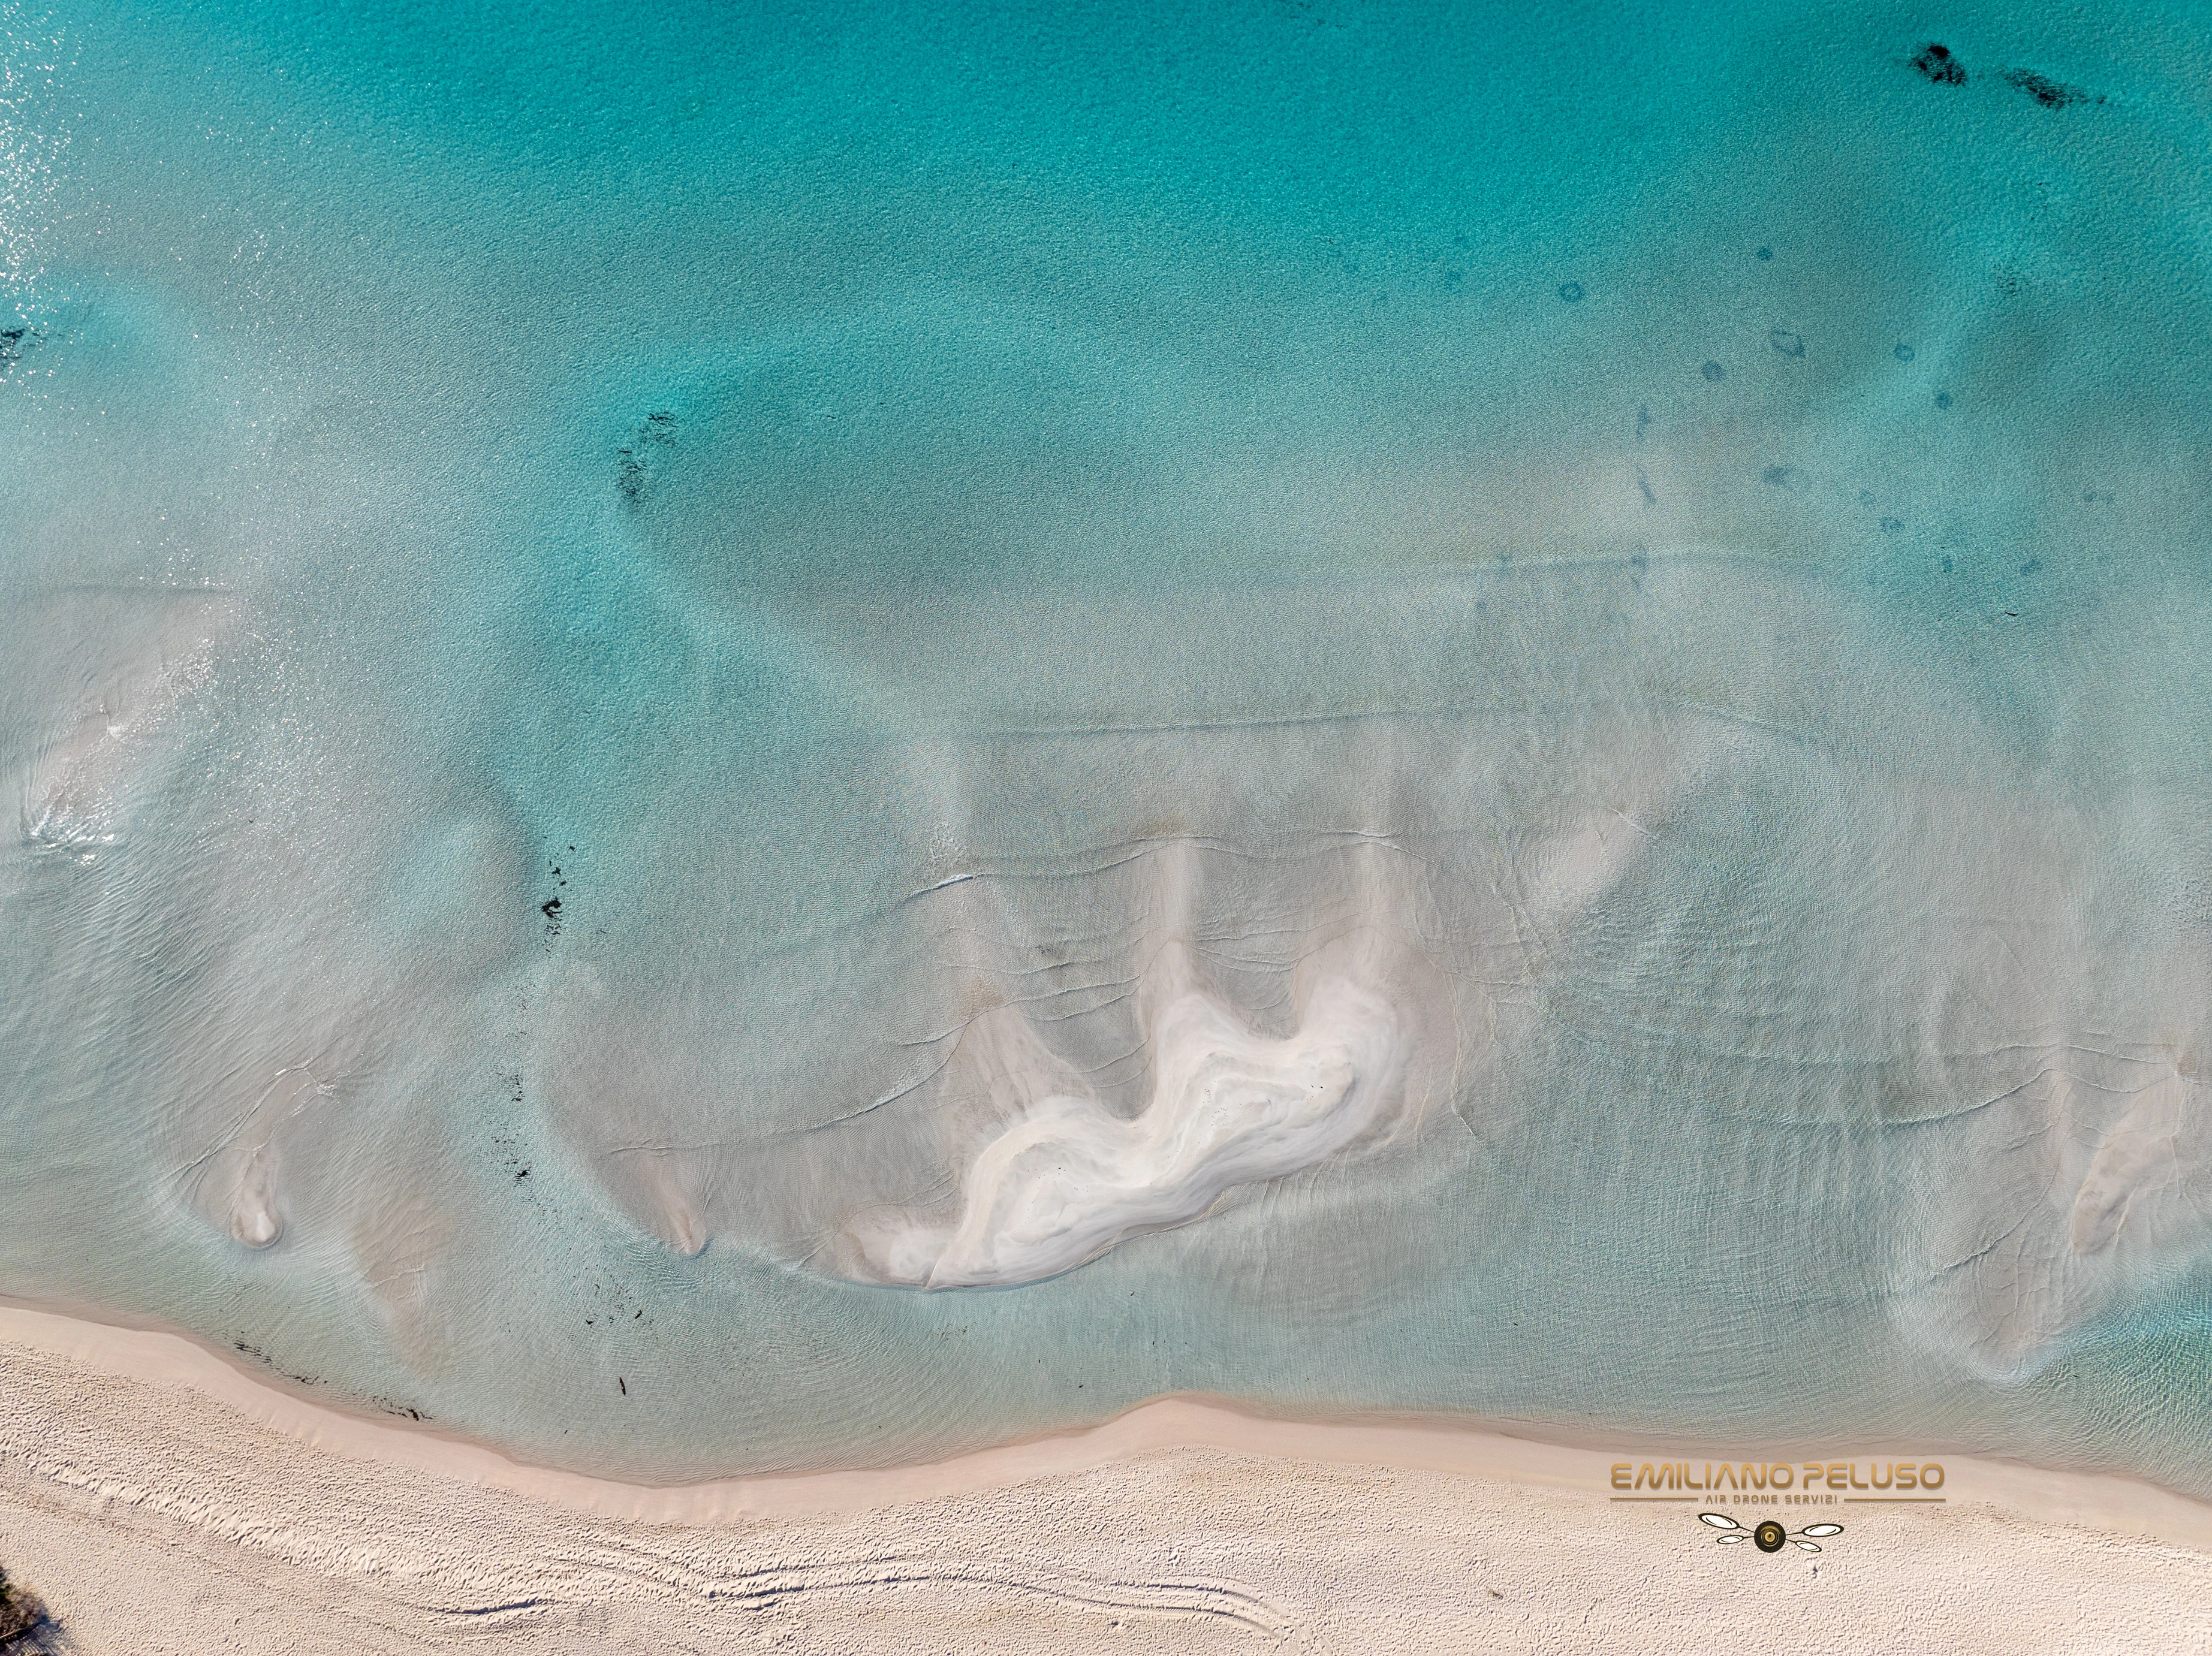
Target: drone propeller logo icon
<point x="1769" y="1537"/>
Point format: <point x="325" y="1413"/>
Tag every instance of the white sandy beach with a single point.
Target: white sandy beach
<point x="161" y="1500"/>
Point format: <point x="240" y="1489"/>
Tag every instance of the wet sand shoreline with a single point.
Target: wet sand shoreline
<point x="1611" y="1467"/>
<point x="160" y="1498"/>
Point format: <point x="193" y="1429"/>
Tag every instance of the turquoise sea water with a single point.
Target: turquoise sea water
<point x="780" y="736"/>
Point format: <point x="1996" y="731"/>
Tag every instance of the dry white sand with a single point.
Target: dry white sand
<point x="163" y="1501"/>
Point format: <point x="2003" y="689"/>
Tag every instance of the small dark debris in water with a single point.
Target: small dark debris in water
<point x="1903" y="353"/>
<point x="1935" y="62"/>
<point x="1947" y="566"/>
<point x="549" y="907"/>
<point x="1571" y="292"/>
<point x="2045" y="90"/>
<point x="1494" y="1592"/>
<point x="625" y="1384"/>
<point x="1778" y="475"/>
<point x="1766" y="253"/>
<point x="1789" y="344"/>
<point x="2033" y="566"/>
<point x="1714" y="372"/>
<point x="1942" y="399"/>
<point x="1643" y="487"/>
<point x="522" y="1173"/>
<point x="1891" y="526"/>
<point x="641" y="1313"/>
<point x="1643" y="419"/>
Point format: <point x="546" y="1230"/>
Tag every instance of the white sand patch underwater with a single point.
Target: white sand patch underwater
<point x="801" y="742"/>
<point x="1067" y="1178"/>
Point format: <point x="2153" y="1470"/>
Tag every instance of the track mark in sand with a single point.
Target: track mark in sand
<point x="776" y="1585"/>
<point x="759" y="1589"/>
<point x="487" y="1615"/>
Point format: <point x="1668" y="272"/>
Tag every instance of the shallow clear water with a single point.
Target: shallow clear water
<point x="746" y="739"/>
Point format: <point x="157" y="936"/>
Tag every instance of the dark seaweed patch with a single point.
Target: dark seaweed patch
<point x="2050" y="93"/>
<point x="642" y="460"/>
<point x="269" y="1362"/>
<point x="550" y="908"/>
<point x="1935" y="62"/>
<point x="14" y="342"/>
<point x="1714" y="372"/>
<point x="1789" y="344"/>
<point x="510" y="1151"/>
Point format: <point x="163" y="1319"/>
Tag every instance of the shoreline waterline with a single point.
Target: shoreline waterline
<point x="1431" y="1444"/>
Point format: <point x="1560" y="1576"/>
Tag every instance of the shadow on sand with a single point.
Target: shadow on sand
<point x="27" y="1627"/>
